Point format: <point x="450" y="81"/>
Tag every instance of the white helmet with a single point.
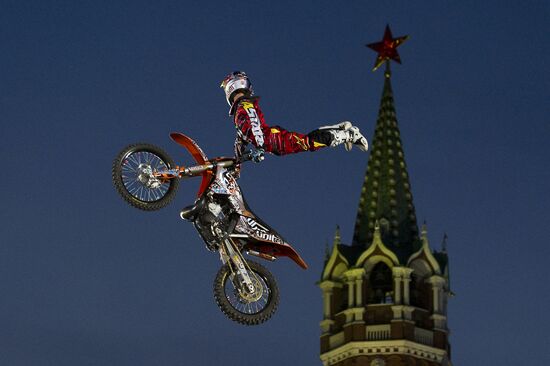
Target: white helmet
<point x="236" y="81"/>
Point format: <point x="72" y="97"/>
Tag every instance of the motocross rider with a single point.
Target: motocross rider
<point x="251" y="127"/>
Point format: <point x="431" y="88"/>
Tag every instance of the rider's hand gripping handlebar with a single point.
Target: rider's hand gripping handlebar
<point x="256" y="156"/>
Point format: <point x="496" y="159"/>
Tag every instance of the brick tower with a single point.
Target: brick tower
<point x="385" y="295"/>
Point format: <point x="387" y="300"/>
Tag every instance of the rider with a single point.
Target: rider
<point x="251" y="127"/>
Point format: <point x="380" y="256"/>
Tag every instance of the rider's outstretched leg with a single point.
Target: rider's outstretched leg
<point x="341" y="133"/>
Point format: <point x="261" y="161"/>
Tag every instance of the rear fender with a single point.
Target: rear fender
<point x="277" y="250"/>
<point x="196" y="152"/>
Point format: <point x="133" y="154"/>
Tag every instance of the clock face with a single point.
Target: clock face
<point x="378" y="362"/>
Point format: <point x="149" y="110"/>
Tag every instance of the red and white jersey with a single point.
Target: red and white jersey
<point x="251" y="128"/>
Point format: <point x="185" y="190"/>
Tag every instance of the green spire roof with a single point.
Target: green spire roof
<point x="386" y="194"/>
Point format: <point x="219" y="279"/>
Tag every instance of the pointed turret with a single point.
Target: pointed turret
<point x="337" y="238"/>
<point x="386" y="194"/>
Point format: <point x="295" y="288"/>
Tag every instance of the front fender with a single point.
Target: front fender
<point x="196" y="152"/>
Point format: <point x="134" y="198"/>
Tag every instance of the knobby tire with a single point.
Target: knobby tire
<point x="236" y="315"/>
<point x="127" y="196"/>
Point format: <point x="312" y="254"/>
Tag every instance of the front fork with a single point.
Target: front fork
<point x="240" y="276"/>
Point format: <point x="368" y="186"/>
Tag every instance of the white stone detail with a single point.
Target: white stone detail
<point x="437" y="283"/>
<point x="424" y="336"/>
<point x="328" y="288"/>
<point x="367" y="259"/>
<point x="325" y="325"/>
<point x="331" y="264"/>
<point x="378" y="332"/>
<point x="387" y="347"/>
<point x="336" y="340"/>
<point x="425" y="250"/>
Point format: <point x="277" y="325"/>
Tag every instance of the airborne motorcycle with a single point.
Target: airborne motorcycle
<point x="245" y="291"/>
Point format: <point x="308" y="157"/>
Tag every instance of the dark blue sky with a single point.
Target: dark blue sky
<point x="87" y="280"/>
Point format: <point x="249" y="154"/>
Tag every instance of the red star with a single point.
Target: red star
<point x="387" y="48"/>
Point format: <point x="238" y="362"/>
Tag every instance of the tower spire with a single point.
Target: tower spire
<point x="387" y="73"/>
<point x="386" y="194"/>
<point x="373" y="289"/>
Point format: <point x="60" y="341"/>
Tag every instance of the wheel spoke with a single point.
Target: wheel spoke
<point x="133" y="166"/>
<point x="245" y="305"/>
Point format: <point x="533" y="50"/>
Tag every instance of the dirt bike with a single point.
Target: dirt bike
<point x="147" y="178"/>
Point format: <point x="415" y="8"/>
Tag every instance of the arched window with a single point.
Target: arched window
<point x="342" y="299"/>
<point x="419" y="292"/>
<point x="381" y="284"/>
<point x="414" y="291"/>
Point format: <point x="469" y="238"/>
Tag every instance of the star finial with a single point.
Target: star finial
<point x="387" y="48"/>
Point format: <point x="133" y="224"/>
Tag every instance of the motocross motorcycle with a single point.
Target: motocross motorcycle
<point x="147" y="178"/>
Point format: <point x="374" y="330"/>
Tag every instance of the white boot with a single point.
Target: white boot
<point x="345" y="125"/>
<point x="339" y="137"/>
<point x="357" y="139"/>
<point x="348" y="137"/>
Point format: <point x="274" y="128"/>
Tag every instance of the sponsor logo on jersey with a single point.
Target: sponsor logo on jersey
<point x="300" y="141"/>
<point x="255" y="122"/>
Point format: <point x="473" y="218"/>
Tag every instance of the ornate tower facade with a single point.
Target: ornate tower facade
<point x="385" y="295"/>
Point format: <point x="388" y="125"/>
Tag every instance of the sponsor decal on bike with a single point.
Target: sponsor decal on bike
<point x="197" y="168"/>
<point x="225" y="183"/>
<point x="269" y="237"/>
<point x="255" y="225"/>
<point x="230" y="182"/>
<point x="236" y="202"/>
<point x="255" y="122"/>
<point x="261" y="232"/>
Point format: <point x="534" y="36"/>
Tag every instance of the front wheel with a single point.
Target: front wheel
<point x="241" y="306"/>
<point x="134" y="177"/>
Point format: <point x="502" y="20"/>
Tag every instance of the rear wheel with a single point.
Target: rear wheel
<point x="133" y="177"/>
<point x="241" y="306"/>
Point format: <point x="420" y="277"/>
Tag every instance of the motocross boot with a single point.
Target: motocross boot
<point x="345" y="125"/>
<point x="357" y="139"/>
<point x="349" y="137"/>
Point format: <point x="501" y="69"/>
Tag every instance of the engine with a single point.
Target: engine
<point x="213" y="221"/>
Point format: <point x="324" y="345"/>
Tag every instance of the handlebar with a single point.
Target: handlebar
<point x="192" y="171"/>
<point x="252" y="155"/>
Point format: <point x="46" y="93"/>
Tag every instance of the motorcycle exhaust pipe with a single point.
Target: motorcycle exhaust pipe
<point x="261" y="255"/>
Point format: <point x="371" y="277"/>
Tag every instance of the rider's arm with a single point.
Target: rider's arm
<point x="249" y="123"/>
<point x="239" y="145"/>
